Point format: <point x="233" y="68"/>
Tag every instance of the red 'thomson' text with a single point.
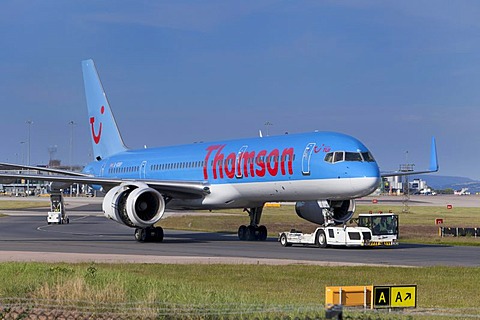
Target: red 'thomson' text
<point x="247" y="163"/>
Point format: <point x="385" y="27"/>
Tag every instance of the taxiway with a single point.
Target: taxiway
<point x="25" y="236"/>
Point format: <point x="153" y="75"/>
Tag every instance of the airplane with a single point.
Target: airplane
<point x="322" y="172"/>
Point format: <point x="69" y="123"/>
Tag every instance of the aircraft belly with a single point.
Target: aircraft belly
<point x="304" y="190"/>
<point x="300" y="190"/>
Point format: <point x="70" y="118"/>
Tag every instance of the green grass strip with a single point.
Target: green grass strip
<point x="203" y="291"/>
<point x="19" y="205"/>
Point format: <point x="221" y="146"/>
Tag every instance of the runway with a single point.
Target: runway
<point x="25" y="236"/>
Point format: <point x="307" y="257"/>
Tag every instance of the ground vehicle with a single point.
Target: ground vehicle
<point x="373" y="229"/>
<point x="57" y="212"/>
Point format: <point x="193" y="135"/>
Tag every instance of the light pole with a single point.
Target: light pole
<point x="29" y="123"/>
<point x="72" y="124"/>
<point x="407" y="167"/>
<point x="267" y="124"/>
<point x="22" y="152"/>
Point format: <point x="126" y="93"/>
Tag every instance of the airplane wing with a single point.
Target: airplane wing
<point x="13" y="166"/>
<point x="184" y="189"/>
<point x="432" y="168"/>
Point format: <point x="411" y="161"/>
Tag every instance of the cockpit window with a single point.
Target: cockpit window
<point x="353" y="156"/>
<point x="367" y="157"/>
<point x="338" y="156"/>
<point x="329" y="157"/>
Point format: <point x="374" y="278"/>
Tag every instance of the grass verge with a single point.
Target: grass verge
<point x="18" y="205"/>
<point x="213" y="291"/>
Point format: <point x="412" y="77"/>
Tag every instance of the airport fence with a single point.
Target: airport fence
<point x="15" y="308"/>
<point x="459" y="232"/>
<point x="11" y="308"/>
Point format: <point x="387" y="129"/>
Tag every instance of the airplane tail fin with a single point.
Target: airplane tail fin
<point x="106" y="138"/>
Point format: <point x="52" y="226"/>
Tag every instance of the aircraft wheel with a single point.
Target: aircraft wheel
<point x="242" y="230"/>
<point x="284" y="241"/>
<point x="158" y="237"/>
<point x="321" y="239"/>
<point x="262" y="233"/>
<point x="140" y="235"/>
<point x="250" y="233"/>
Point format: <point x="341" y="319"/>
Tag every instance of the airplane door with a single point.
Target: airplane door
<point x="307" y="154"/>
<point x="238" y="162"/>
<point x="143" y="168"/>
<point x="102" y="170"/>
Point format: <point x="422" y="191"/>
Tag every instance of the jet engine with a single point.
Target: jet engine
<point x="326" y="212"/>
<point x="134" y="204"/>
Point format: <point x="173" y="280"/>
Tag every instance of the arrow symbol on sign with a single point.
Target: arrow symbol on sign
<point x="408" y="296"/>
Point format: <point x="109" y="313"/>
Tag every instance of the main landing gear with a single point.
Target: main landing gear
<point x="149" y="234"/>
<point x="253" y="232"/>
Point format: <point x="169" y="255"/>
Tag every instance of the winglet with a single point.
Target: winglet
<point x="433" y="156"/>
<point x="432" y="168"/>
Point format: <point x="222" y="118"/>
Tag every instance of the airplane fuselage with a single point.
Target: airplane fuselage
<point x="250" y="172"/>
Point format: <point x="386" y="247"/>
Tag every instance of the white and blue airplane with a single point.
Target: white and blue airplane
<point x="322" y="172"/>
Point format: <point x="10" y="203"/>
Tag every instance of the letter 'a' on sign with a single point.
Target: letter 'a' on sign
<point x="404" y="297"/>
<point x="381" y="297"/>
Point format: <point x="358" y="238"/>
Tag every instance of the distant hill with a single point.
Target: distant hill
<point x="444" y="182"/>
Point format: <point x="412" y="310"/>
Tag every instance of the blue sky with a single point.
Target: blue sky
<point x="391" y="73"/>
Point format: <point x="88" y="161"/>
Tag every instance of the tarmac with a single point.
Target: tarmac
<point x="25" y="236"/>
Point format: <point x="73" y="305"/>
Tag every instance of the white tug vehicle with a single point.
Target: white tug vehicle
<point x="372" y="229"/>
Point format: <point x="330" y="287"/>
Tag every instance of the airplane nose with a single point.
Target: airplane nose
<point x="364" y="186"/>
<point x="367" y="183"/>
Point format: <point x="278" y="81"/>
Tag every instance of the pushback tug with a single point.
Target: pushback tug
<point x="372" y="229"/>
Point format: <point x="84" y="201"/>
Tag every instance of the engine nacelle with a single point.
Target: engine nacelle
<point x="134" y="204"/>
<point x="326" y="212"/>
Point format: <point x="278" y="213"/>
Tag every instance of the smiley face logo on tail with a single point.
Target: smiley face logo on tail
<point x="96" y="137"/>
